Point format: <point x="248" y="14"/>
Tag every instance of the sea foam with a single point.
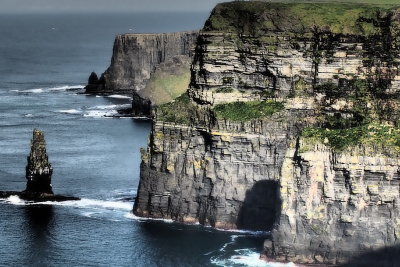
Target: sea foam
<point x="15" y="200"/>
<point x="100" y="113"/>
<point x="119" y="96"/>
<point x="246" y="257"/>
<point x="98" y="204"/>
<point x="50" y="89"/>
<point x="70" y="111"/>
<point x="112" y="107"/>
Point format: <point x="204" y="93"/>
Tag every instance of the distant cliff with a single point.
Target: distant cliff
<point x="136" y="56"/>
<point x="290" y="124"/>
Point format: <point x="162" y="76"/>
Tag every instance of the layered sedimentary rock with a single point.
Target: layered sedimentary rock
<point x="194" y="176"/>
<point x="290" y="125"/>
<point x="38" y="169"/>
<point x="335" y="204"/>
<point x="136" y="56"/>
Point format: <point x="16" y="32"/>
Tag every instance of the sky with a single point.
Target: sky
<point x="99" y="6"/>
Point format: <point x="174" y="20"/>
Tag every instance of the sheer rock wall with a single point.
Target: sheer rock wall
<point x="323" y="206"/>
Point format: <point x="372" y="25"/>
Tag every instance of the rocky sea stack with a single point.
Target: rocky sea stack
<point x="38" y="175"/>
<point x="38" y="170"/>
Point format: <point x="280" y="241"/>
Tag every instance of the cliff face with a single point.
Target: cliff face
<point x="290" y="124"/>
<point x="335" y="204"/>
<point x="136" y="56"/>
<point x="192" y="175"/>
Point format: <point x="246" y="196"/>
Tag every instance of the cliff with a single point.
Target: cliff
<point x="136" y="56"/>
<point x="290" y="124"/>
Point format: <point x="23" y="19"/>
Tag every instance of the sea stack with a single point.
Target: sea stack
<point x="38" y="174"/>
<point x="38" y="169"/>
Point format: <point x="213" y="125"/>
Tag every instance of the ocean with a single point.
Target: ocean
<point x="45" y="60"/>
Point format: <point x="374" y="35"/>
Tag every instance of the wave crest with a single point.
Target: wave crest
<point x="50" y="89"/>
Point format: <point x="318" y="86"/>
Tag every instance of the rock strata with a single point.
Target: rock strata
<point x="290" y="125"/>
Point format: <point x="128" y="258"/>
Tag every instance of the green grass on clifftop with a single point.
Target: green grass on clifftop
<point x="244" y="111"/>
<point x="169" y="80"/>
<point x="255" y="18"/>
<point x="179" y="111"/>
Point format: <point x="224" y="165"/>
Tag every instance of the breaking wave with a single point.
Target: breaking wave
<point x="82" y="203"/>
<point x="97" y="111"/>
<point x="105" y="110"/>
<point x="96" y="204"/>
<point x="246" y="257"/>
<point x="136" y="218"/>
<point x="112" y="107"/>
<point x="100" y="113"/>
<point x="70" y="111"/>
<point x="50" y="89"/>
<point x="15" y="200"/>
<point x="119" y="96"/>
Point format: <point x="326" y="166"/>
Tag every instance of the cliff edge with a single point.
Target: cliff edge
<point x="290" y="125"/>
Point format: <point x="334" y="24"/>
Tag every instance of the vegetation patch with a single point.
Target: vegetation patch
<point x="244" y="111"/>
<point x="350" y="88"/>
<point x="368" y="103"/>
<point x="179" y="111"/>
<point x="378" y="134"/>
<point x="255" y="18"/>
<point x="227" y="80"/>
<point x="170" y="80"/>
<point x="224" y="90"/>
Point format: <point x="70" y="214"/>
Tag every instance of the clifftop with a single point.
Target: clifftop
<point x="256" y="19"/>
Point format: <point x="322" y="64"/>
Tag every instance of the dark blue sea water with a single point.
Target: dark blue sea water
<point x="44" y="62"/>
